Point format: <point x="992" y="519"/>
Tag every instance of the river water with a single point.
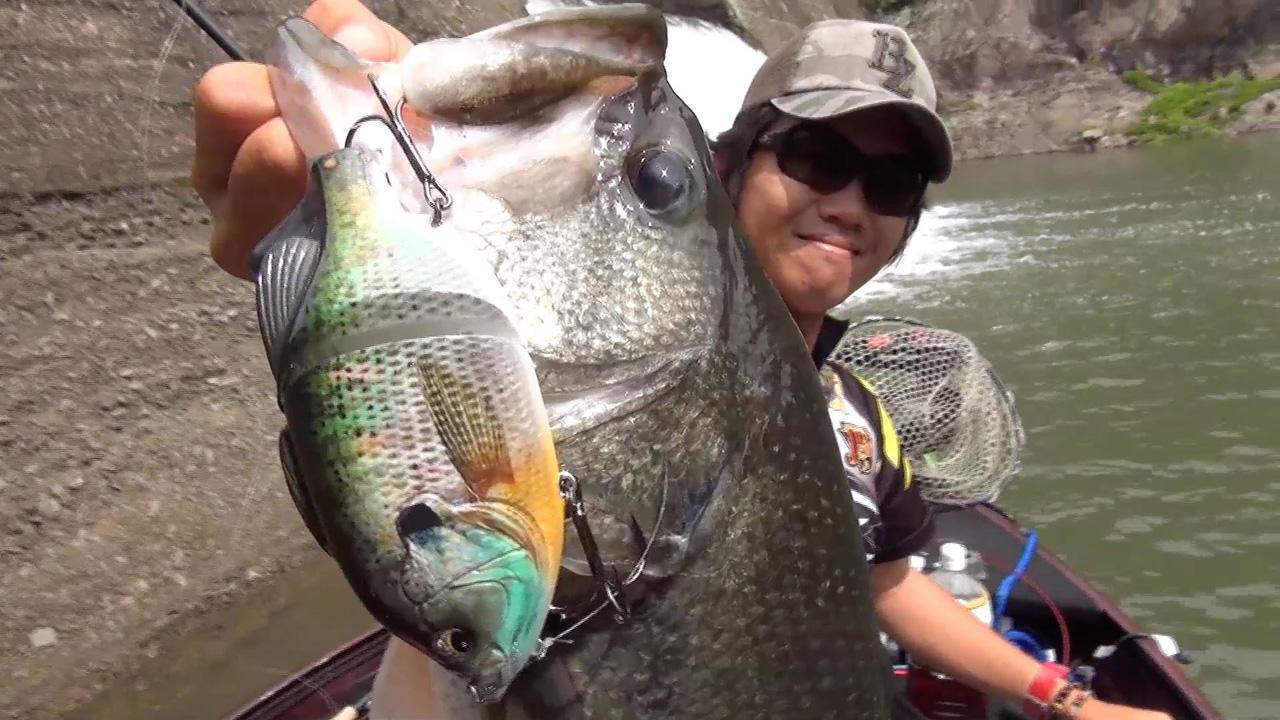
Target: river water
<point x="1130" y="299"/>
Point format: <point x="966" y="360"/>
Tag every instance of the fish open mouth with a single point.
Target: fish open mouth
<point x="579" y="397"/>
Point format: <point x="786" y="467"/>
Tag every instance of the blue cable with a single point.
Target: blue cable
<point x="1027" y="643"/>
<point x="1006" y="585"/>
<point x="1021" y="640"/>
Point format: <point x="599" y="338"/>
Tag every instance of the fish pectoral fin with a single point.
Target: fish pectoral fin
<point x="469" y="427"/>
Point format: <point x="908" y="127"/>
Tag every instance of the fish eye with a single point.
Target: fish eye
<point x="455" y="642"/>
<point x="662" y="179"/>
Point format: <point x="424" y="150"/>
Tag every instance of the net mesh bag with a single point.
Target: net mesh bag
<point x="955" y="419"/>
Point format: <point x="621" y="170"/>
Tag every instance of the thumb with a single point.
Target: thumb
<point x="373" y="40"/>
<point x="354" y="25"/>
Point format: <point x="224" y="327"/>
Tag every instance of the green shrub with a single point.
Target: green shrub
<point x="1192" y="109"/>
<point x="1142" y="81"/>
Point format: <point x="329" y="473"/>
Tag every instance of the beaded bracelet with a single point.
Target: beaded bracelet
<point x="1040" y="691"/>
<point x="1066" y="703"/>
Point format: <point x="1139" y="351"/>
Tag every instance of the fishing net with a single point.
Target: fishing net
<point x="955" y="419"/>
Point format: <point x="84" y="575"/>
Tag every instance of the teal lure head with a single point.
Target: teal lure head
<point x="478" y="590"/>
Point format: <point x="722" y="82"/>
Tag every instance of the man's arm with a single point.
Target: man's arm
<point x="924" y="618"/>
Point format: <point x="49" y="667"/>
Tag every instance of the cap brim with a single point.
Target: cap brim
<point x="827" y="104"/>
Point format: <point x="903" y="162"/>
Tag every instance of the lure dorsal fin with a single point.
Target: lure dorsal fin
<point x="469" y="427"/>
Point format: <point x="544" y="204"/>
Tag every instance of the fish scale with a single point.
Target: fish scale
<point x="757" y="624"/>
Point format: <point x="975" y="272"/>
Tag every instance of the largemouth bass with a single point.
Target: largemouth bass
<point x="679" y="391"/>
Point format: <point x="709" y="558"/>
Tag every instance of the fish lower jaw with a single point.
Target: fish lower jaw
<point x="487" y="693"/>
<point x="618" y="391"/>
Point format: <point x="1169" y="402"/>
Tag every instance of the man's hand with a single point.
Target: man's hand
<point x="247" y="169"/>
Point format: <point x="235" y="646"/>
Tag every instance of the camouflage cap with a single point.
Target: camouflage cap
<point x="833" y="67"/>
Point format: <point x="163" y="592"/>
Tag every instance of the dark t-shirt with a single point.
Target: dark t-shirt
<point x="894" y="518"/>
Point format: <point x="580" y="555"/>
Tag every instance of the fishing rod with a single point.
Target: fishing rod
<point x="202" y="19"/>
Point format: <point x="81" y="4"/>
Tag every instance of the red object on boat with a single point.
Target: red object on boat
<point x="938" y="697"/>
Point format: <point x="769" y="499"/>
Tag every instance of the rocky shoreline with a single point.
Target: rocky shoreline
<point x="1073" y="111"/>
<point x="140" y="491"/>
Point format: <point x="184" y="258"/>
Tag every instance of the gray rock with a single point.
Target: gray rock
<point x="1066" y="115"/>
<point x="43" y="637"/>
<point x="968" y="41"/>
<point x="48" y="508"/>
<point x="1258" y="114"/>
<point x="1180" y="38"/>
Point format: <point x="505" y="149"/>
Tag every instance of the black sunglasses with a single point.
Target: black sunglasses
<point x="821" y="157"/>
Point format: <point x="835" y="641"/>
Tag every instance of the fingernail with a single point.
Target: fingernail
<point x="358" y="37"/>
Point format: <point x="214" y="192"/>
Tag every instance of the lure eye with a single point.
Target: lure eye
<point x="662" y="179"/>
<point x="455" y="642"/>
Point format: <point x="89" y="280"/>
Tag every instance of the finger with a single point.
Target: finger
<point x="266" y="181"/>
<point x="231" y="101"/>
<point x="354" y="25"/>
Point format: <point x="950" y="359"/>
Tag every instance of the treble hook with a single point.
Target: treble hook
<point x="606" y="580"/>
<point x="437" y="197"/>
